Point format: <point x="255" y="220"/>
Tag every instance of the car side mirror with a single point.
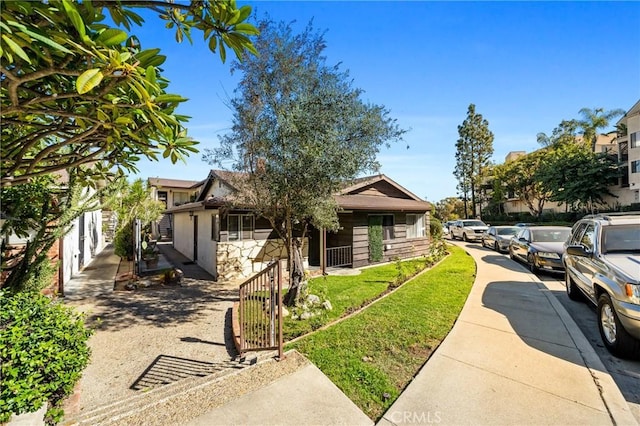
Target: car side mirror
<point x="577" y="251"/>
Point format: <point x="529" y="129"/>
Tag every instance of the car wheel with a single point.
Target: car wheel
<point x="464" y="237"/>
<point x="531" y="260"/>
<point x="511" y="255"/>
<point x="614" y="336"/>
<point x="572" y="290"/>
<point x="496" y="247"/>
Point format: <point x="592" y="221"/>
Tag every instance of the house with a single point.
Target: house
<point x="232" y="243"/>
<point x="172" y="192"/>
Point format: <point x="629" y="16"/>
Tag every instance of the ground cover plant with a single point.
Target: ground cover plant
<point x="373" y="355"/>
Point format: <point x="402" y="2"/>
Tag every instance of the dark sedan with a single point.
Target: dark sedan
<point x="540" y="247"/>
<point x="499" y="237"/>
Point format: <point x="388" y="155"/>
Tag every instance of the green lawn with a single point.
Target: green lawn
<point x="373" y="355"/>
<point x="348" y="293"/>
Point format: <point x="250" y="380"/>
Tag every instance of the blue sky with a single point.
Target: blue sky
<point x="525" y="65"/>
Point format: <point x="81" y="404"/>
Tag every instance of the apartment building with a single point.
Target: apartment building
<point x="629" y="153"/>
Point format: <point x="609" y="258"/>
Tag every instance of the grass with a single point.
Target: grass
<point x="348" y="293"/>
<point x="373" y="355"/>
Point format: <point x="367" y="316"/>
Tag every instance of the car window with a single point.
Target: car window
<point x="576" y="233"/>
<point x="474" y="223"/>
<point x="587" y="239"/>
<point x="508" y="231"/>
<point x="550" y="235"/>
<point x="621" y="238"/>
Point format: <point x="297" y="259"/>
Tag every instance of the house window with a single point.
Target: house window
<point x="240" y="227"/>
<point x="215" y="227"/>
<point x="415" y="225"/>
<point x="180" y="198"/>
<point x="634" y="137"/>
<point x="387" y="227"/>
<point x="635" y="166"/>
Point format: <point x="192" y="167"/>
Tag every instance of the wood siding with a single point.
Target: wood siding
<point x="382" y="189"/>
<point x="398" y="247"/>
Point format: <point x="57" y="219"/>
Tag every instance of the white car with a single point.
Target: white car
<point x="468" y="229"/>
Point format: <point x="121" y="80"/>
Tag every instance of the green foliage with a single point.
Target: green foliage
<point x="43" y="211"/>
<point x="594" y="120"/>
<point x="300" y="131"/>
<point x="123" y="241"/>
<point x="435" y="228"/>
<point x="474" y="149"/>
<point x="520" y="177"/>
<point x="375" y="238"/>
<point x="43" y="350"/>
<point x="450" y="208"/>
<point x="76" y="90"/>
<point x="381" y="349"/>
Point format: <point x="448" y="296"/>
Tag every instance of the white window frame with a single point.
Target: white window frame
<point x="242" y="233"/>
<point x="415" y="225"/>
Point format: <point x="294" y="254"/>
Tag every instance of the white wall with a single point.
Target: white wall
<point x="183" y="238"/>
<point x="93" y="244"/>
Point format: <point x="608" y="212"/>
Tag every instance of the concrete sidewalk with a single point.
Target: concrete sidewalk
<point x="514" y="356"/>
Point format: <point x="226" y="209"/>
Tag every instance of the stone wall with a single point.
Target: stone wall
<point x="242" y="259"/>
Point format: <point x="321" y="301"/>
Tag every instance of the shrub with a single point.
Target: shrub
<point x="43" y="350"/>
<point x="435" y="228"/>
<point x="123" y="242"/>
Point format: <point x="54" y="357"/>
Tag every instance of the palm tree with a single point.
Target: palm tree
<point x="594" y="120"/>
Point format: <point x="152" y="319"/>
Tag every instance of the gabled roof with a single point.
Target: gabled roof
<point x="370" y="193"/>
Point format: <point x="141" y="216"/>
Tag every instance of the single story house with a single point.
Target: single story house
<point x="234" y="243"/>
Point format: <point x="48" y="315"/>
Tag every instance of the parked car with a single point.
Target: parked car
<point x="446" y="228"/>
<point x="468" y="229"/>
<point x="540" y="247"/>
<point x="602" y="262"/>
<point x="499" y="237"/>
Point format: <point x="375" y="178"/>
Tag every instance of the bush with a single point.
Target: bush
<point x="123" y="242"/>
<point x="43" y="350"/>
<point x="435" y="228"/>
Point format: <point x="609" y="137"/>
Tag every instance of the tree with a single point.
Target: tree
<point x="594" y="120"/>
<point x="474" y="149"/>
<point x="520" y="177"/>
<point x="572" y="172"/>
<point x="300" y="132"/>
<point x="131" y="201"/>
<point x="449" y="208"/>
<point x="77" y="91"/>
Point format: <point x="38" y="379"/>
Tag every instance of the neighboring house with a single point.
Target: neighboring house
<point x="172" y="192"/>
<point x="234" y="243"/>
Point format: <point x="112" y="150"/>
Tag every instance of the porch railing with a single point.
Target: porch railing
<point x="260" y="311"/>
<point x="339" y="256"/>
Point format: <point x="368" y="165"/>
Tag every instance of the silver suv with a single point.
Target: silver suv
<point x="468" y="229"/>
<point x="602" y="262"/>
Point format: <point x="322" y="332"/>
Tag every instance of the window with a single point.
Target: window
<point x="240" y="227"/>
<point x="587" y="238"/>
<point x="180" y="198"/>
<point x="634" y="138"/>
<point x="635" y="166"/>
<point x="215" y="227"/>
<point x="415" y="225"/>
<point x="387" y="227"/>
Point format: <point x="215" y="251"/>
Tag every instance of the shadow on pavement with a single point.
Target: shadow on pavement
<point x="532" y="317"/>
<point x="157" y="307"/>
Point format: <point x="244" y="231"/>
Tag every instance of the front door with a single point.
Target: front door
<point x="195" y="238"/>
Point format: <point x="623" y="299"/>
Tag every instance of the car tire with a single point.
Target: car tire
<point x="496" y="247"/>
<point x="614" y="336"/>
<point x="531" y="260"/>
<point x="511" y="255"/>
<point x="464" y="237"/>
<point x="572" y="290"/>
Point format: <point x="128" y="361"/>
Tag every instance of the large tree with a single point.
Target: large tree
<point x="520" y="177"/>
<point x="474" y="149"/>
<point x="76" y="90"/>
<point x="300" y="132"/>
<point x="594" y="120"/>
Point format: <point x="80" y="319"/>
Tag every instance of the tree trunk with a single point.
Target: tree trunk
<point x="297" y="285"/>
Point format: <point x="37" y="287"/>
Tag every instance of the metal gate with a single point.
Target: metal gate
<point x="260" y="311"/>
